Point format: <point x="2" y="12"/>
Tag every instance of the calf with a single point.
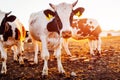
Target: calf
<point x="49" y="26"/>
<point x="85" y="28"/>
<point x="12" y="33"/>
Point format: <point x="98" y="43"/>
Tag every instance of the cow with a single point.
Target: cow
<point x="12" y="33"/>
<point x="27" y="37"/>
<point x="49" y="26"/>
<point x="86" y="28"/>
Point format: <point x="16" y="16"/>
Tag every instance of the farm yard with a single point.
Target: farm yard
<point x="81" y="66"/>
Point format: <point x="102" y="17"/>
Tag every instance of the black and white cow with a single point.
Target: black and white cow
<point x="27" y="37"/>
<point x="12" y="33"/>
<point x="85" y="28"/>
<point x="49" y="26"/>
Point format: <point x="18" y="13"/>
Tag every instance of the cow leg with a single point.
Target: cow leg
<point x="94" y="45"/>
<point x="44" y="55"/>
<point x="15" y="51"/>
<point x="57" y="53"/>
<point x="22" y="45"/>
<point x="65" y="45"/>
<point x="4" y="59"/>
<point x="99" y="45"/>
<point x="20" y="52"/>
<point x="36" y="52"/>
<point x="91" y="47"/>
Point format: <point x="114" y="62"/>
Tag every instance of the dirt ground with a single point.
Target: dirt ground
<point x="86" y="67"/>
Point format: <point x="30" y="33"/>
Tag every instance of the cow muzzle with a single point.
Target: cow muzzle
<point x="66" y="34"/>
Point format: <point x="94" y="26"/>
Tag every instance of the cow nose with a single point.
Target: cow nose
<point x="66" y="34"/>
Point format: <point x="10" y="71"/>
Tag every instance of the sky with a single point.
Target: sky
<point x="106" y="12"/>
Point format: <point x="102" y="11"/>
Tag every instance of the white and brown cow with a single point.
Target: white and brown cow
<point x="85" y="28"/>
<point x="12" y="33"/>
<point x="49" y="26"/>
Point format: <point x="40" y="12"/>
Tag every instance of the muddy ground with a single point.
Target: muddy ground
<point x="87" y="67"/>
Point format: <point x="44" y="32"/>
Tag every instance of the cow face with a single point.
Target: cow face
<point x="4" y="18"/>
<point x="64" y="13"/>
<point x="55" y="25"/>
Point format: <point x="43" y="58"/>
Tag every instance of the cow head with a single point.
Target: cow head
<point x="64" y="13"/>
<point x="4" y="18"/>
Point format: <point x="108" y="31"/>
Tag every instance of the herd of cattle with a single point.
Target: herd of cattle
<point x="52" y="26"/>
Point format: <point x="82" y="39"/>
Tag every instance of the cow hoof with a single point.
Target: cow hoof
<point x="15" y="61"/>
<point x="62" y="74"/>
<point x="98" y="54"/>
<point x="69" y="55"/>
<point x="3" y="74"/>
<point x="25" y="59"/>
<point x="32" y="64"/>
<point x="44" y="76"/>
<point x="21" y="65"/>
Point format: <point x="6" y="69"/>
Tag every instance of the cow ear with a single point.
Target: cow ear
<point x="49" y="14"/>
<point x="11" y="18"/>
<point x="78" y="12"/>
<point x="7" y="26"/>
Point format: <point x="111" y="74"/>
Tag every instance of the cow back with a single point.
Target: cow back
<point x="87" y="27"/>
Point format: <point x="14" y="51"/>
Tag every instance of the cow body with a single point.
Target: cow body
<point x="12" y="33"/>
<point x="86" y="28"/>
<point x="49" y="27"/>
